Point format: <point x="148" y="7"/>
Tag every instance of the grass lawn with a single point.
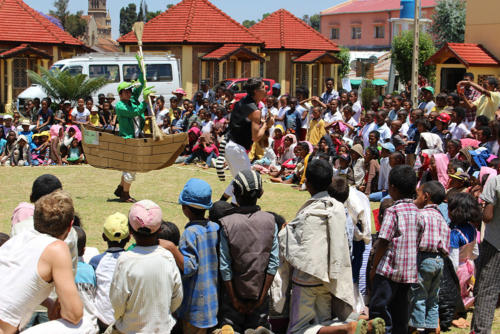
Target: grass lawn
<point x="92" y="192"/>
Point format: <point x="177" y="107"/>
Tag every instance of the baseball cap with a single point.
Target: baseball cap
<point x="248" y="180"/>
<point x="145" y="214"/>
<point x="277" y="86"/>
<point x="116" y="227"/>
<point x="430" y="89"/>
<point x="197" y="194"/>
<point x="25" y="122"/>
<point x="7" y="117"/>
<point x="125" y="85"/>
<point x="100" y="95"/>
<point x="444" y="117"/>
<point x="205" y="82"/>
<point x="389" y="147"/>
<point x="67" y="102"/>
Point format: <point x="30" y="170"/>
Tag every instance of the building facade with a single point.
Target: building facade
<point x="97" y="9"/>
<point x="365" y="25"/>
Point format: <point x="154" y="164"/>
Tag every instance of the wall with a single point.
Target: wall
<point x="367" y="22"/>
<point x="483" y="24"/>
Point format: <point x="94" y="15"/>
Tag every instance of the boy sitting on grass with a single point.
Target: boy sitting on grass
<point x="146" y="287"/>
<point x="197" y="259"/>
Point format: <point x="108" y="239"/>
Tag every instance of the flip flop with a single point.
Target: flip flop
<point x="378" y="326"/>
<point x="361" y="327"/>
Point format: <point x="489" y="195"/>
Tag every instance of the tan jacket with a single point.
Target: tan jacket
<point x="315" y="242"/>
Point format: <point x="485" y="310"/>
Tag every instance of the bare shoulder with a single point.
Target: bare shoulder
<point x="56" y="249"/>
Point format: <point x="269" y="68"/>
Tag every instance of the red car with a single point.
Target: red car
<point x="237" y="86"/>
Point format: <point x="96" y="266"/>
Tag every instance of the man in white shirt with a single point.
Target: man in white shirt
<point x="382" y="128"/>
<point x="370" y="125"/>
<point x="356" y="105"/>
<point x="458" y="128"/>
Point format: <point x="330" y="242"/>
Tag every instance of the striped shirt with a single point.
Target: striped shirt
<point x="198" y="244"/>
<point x="402" y="227"/>
<point x="436" y="233"/>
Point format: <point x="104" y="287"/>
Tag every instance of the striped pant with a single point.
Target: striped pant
<point x="486" y="289"/>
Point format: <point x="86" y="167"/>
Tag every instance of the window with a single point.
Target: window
<point x="335" y="33"/>
<point x="111" y="72"/>
<point x="75" y="69"/>
<point x="379" y="32"/>
<point x="155" y="72"/>
<point x="356" y="33"/>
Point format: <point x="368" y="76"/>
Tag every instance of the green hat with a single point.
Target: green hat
<point x="125" y="85"/>
<point x="430" y="89"/>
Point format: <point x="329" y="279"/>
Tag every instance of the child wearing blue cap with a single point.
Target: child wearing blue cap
<point x="197" y="259"/>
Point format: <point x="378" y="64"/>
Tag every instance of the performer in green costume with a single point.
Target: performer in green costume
<point x="130" y="117"/>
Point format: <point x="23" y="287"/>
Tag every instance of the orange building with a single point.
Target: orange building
<point x="364" y="24"/>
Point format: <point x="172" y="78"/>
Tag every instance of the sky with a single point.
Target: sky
<point x="239" y="10"/>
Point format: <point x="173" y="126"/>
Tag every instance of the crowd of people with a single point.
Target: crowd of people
<point x="434" y="252"/>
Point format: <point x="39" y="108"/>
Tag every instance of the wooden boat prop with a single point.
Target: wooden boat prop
<point x="108" y="151"/>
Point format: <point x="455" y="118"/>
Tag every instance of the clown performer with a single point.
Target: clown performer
<point x="130" y="115"/>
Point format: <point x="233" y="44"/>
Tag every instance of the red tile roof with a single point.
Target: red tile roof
<point x="313" y="56"/>
<point x="223" y="51"/>
<point x="193" y="21"/>
<point x="364" y="6"/>
<point x="24" y="48"/>
<point x="283" y="30"/>
<point x="468" y="54"/>
<point x="21" y="23"/>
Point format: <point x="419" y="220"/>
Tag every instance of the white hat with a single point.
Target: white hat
<point x="94" y="108"/>
<point x="7" y="117"/>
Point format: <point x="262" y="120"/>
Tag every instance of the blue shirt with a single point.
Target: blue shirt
<point x="198" y="245"/>
<point x="28" y="134"/>
<point x="293" y="120"/>
<point x="413" y="135"/>
<point x="85" y="274"/>
<point x="226" y="260"/>
<point x="3" y="143"/>
<point x="456" y="238"/>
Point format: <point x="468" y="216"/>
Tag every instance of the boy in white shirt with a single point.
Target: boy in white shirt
<point x="146" y="287"/>
<point x="457" y="128"/>
<point x="280" y="118"/>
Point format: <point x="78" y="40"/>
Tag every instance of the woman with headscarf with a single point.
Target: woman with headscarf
<point x="205" y="150"/>
<point x="289" y="143"/>
<point x="438" y="170"/>
<point x="431" y="143"/>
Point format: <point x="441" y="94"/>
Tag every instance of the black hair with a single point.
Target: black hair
<point x="279" y="219"/>
<point x="482" y="120"/>
<point x="460" y="112"/>
<point x="319" y="174"/>
<point x="355" y="92"/>
<point x="404" y="179"/>
<point x="494" y="163"/>
<point x="252" y="85"/>
<point x="3" y="238"/>
<point x="301" y="90"/>
<point x="441" y="96"/>
<point x="435" y="190"/>
<point x="486" y="131"/>
<point x="375" y="133"/>
<point x="197" y="212"/>
<point x="492" y="81"/>
<point x="81" y="241"/>
<point x="43" y="185"/>
<point x="469" y="75"/>
<point x="399" y="156"/>
<point x="424" y="122"/>
<point x="463" y="208"/>
<point x="303" y="145"/>
<point x="456" y="164"/>
<point x="169" y="231"/>
<point x="409" y="102"/>
<point x="219" y="210"/>
<point x="89" y="98"/>
<point x="329" y="79"/>
<point x="339" y="189"/>
<point x="77" y="221"/>
<point x="456" y="142"/>
<point x="455" y="97"/>
<point x="398" y="97"/>
<point x="246" y="198"/>
<point x="374" y="152"/>
<point x="384" y="205"/>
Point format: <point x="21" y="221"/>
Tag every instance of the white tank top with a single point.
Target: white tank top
<point x="22" y="287"/>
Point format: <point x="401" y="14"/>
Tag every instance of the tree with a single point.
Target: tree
<point x="402" y="54"/>
<point x="75" y="25"/>
<point x="345" y="56"/>
<point x="128" y="16"/>
<point x="314" y="21"/>
<point x="248" y="23"/>
<point x="449" y="22"/>
<point x="264" y="16"/>
<point x="152" y="15"/>
<point x="61" y="11"/>
<point x="61" y="85"/>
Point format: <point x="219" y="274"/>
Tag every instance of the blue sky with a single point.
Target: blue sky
<point x="237" y="9"/>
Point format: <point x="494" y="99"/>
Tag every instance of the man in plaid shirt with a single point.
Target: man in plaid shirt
<point x="395" y="261"/>
<point x="472" y="95"/>
<point x="435" y="243"/>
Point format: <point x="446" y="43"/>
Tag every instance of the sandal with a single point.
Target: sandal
<point x="377" y="326"/>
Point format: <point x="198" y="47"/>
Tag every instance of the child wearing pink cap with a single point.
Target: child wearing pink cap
<point x="146" y="287"/>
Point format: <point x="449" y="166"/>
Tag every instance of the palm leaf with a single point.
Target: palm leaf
<point x="61" y="85"/>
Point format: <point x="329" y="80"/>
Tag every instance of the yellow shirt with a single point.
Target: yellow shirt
<point x="316" y="131"/>
<point x="94" y="119"/>
<point x="256" y="152"/>
<point x="488" y="105"/>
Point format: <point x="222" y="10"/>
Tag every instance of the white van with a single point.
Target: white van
<point x="163" y="72"/>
